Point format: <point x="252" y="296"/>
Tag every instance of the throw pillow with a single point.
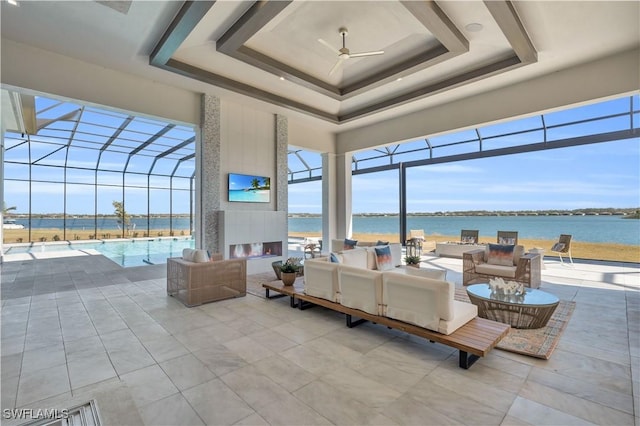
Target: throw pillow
<point x="349" y="244"/>
<point x="334" y="258"/>
<point x="500" y="254"/>
<point x="384" y="262"/>
<point x="382" y="243"/>
<point x="507" y="241"/>
<point x="200" y="256"/>
<point x="187" y="254"/>
<point x="557" y="247"/>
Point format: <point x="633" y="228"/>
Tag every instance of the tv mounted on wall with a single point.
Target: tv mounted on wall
<point x="249" y="188"/>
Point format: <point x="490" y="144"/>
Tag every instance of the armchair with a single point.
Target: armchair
<point x="525" y="268"/>
<point x="507" y="237"/>
<point x="195" y="283"/>
<point x="469" y="236"/>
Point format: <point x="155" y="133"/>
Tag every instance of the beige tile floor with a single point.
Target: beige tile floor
<point x="82" y="328"/>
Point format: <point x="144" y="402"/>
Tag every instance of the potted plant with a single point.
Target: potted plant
<point x="289" y="270"/>
<point x="412" y="261"/>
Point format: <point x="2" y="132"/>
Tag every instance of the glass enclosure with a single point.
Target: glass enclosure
<point x="92" y="173"/>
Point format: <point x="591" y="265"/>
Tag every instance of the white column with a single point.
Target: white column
<point x="343" y="195"/>
<point x="329" y="199"/>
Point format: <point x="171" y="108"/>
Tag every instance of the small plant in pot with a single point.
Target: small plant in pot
<point x="412" y="261"/>
<point x="289" y="270"/>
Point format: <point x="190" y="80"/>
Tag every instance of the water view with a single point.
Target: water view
<point x="596" y="229"/>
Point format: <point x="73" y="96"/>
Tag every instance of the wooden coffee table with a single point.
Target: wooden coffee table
<point x="533" y="309"/>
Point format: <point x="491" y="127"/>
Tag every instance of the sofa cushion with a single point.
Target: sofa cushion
<point x="507" y="241"/>
<point x="435" y="274"/>
<point x="321" y="279"/>
<point x="462" y="314"/>
<point x="518" y="252"/>
<point x="496" y="270"/>
<point x="420" y="301"/>
<point x="349" y="244"/>
<point x="187" y="254"/>
<point x="384" y="261"/>
<point x="200" y="256"/>
<point x="334" y="258"/>
<point x="356" y="258"/>
<point x="360" y="289"/>
<point x="500" y="254"/>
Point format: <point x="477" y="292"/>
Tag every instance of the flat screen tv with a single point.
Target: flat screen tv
<point x="249" y="188"/>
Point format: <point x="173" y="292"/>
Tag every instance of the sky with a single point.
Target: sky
<point x="588" y="176"/>
<point x="597" y="175"/>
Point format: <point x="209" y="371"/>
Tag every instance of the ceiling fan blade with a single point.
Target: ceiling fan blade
<point x="336" y="66"/>
<point x="357" y="55"/>
<point x="324" y="43"/>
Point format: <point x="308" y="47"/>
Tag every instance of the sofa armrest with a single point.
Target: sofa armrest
<point x="476" y="256"/>
<point x="528" y="270"/>
<point x="470" y="259"/>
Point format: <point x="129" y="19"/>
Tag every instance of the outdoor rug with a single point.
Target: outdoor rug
<point x="537" y="343"/>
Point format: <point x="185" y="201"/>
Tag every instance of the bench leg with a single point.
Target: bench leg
<point x="277" y="296"/>
<point x="466" y="360"/>
<point x="351" y="323"/>
<point x="303" y="304"/>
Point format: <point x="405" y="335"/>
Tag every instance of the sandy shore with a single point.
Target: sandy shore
<point x="579" y="249"/>
<point x="14" y="235"/>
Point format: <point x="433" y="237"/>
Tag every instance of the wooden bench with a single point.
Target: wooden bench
<point x="473" y="340"/>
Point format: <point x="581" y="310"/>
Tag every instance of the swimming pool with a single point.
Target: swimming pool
<point x="134" y="252"/>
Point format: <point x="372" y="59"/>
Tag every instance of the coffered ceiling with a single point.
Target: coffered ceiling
<point x="285" y="55"/>
<point x="434" y="51"/>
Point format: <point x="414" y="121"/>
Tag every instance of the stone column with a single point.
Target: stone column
<point x="282" y="148"/>
<point x="209" y="183"/>
<point x="282" y="176"/>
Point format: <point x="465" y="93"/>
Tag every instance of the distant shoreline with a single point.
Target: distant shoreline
<point x="626" y="212"/>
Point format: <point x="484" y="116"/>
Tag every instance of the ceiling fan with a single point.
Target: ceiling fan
<point x="344" y="53"/>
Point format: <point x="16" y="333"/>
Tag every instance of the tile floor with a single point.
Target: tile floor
<point x="82" y="328"/>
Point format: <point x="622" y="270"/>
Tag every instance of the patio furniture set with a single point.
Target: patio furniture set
<point x="370" y="283"/>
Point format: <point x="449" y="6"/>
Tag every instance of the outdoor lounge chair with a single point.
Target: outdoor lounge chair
<point x="508" y="237"/>
<point x="563" y="246"/>
<point x="469" y="236"/>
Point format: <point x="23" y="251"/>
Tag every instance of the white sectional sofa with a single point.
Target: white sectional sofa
<point x="418" y="296"/>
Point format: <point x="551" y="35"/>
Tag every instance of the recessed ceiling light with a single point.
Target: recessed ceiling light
<point x="474" y="27"/>
<point x="281" y="78"/>
<point x="12" y="2"/>
<point x="399" y="79"/>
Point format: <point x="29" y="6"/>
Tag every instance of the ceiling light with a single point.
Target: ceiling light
<point x="12" y="2"/>
<point x="281" y="78"/>
<point x="474" y="27"/>
<point x="399" y="79"/>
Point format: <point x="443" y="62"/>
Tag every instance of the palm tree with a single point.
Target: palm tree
<point x="6" y="209"/>
<point x="255" y="183"/>
<point x="123" y="217"/>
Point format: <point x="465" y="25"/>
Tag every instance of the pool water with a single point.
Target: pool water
<point x="135" y="252"/>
